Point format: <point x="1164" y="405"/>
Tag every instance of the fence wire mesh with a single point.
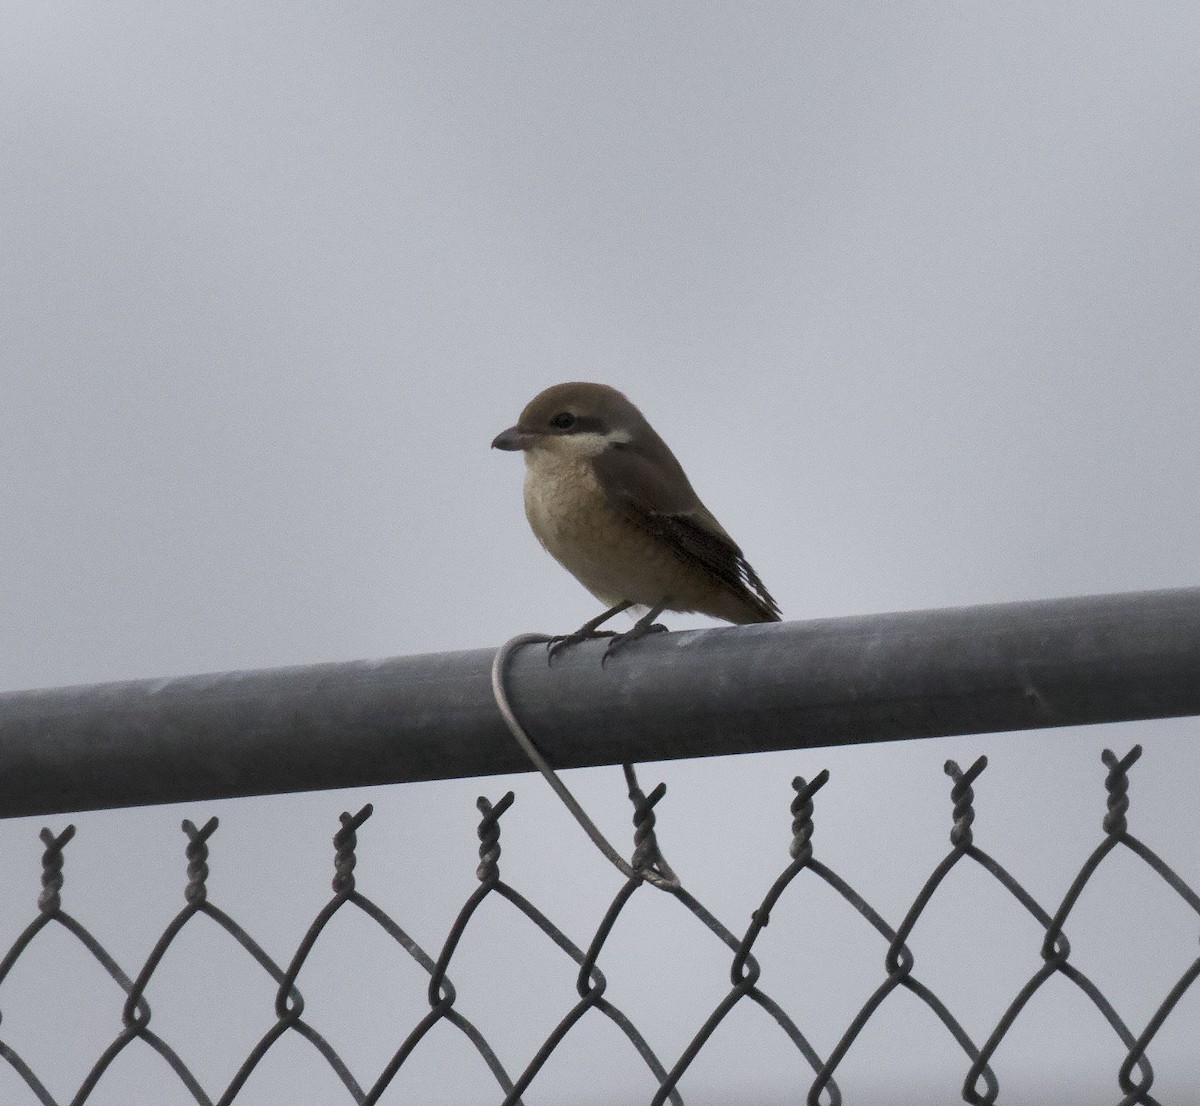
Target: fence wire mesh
<point x="982" y="1078"/>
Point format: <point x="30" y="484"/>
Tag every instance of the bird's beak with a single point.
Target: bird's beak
<point x="513" y="439"/>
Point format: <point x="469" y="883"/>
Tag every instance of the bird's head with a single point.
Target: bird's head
<point x="577" y="418"/>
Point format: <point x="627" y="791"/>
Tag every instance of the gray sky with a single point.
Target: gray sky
<point x="910" y="289"/>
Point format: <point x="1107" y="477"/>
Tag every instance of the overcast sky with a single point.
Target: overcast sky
<point x="910" y="289"/>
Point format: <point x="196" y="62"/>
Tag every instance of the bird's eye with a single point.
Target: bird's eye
<point x="564" y="420"/>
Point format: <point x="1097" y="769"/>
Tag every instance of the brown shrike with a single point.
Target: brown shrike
<point x="609" y="501"/>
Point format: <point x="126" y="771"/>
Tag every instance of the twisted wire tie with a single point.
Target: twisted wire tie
<point x="197" y="857"/>
<point x="489" y="837"/>
<point x="645" y="843"/>
<point x="800" y="849"/>
<point x="962" y="795"/>
<point x="49" y="900"/>
<point x="345" y="841"/>
<point x="802" y="815"/>
<point x="1117" y="785"/>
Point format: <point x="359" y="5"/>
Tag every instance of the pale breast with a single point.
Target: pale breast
<point x="570" y="516"/>
<point x="614" y="559"/>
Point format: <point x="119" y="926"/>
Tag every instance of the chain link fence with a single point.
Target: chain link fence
<point x="983" y="1076"/>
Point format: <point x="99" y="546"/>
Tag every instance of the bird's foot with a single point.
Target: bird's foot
<point x="639" y="630"/>
<point x="562" y="642"/>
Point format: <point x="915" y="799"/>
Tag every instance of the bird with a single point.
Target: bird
<point x="606" y="497"/>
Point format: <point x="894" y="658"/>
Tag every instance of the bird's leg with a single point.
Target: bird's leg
<point x="643" y="626"/>
<point x="588" y="630"/>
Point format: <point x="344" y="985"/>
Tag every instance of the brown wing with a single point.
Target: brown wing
<point x="654" y="494"/>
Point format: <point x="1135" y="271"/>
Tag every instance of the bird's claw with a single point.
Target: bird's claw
<point x="561" y="642"/>
<point x="619" y="641"/>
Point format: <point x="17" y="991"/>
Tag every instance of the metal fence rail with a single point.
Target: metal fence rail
<point x="982" y="1077"/>
<point x="792" y="685"/>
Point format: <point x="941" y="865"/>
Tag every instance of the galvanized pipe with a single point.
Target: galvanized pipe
<point x="1014" y="666"/>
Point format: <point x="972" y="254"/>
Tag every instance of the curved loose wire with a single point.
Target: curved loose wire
<point x="657" y="871"/>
